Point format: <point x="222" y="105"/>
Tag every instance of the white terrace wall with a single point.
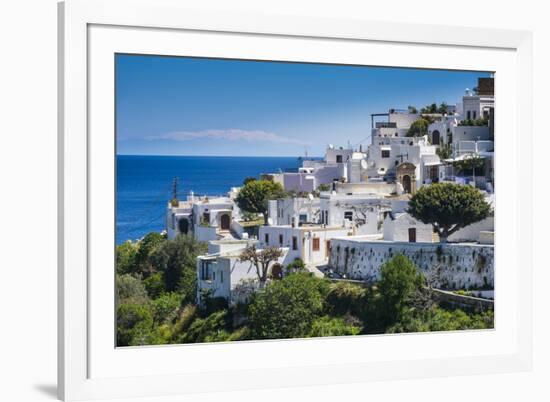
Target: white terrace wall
<point x="446" y="266"/>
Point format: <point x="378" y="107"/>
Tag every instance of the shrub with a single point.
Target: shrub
<point x="134" y="325"/>
<point x="287" y="308"/>
<point x="327" y="326"/>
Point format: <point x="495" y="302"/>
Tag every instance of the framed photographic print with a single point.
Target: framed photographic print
<point x="254" y="200"/>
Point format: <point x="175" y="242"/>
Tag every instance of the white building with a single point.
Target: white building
<point x="385" y="155"/>
<point x="361" y="213"/>
<point x="310" y="243"/>
<point x="402" y="227"/>
<point x="221" y="272"/>
<point x="293" y="211"/>
<point x="207" y="218"/>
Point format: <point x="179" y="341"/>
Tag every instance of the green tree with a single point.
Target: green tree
<point x="323" y="187"/>
<point x="130" y="289"/>
<point x="154" y="284"/>
<point x="134" y="325"/>
<point x="146" y="247"/>
<point x="176" y="260"/>
<point x="443" y="108"/>
<point x="248" y="180"/>
<point x="470" y="165"/>
<point x="346" y="298"/>
<point x="126" y="254"/>
<point x="448" y="207"/>
<point x="418" y="128"/>
<point x="261" y="259"/>
<point x="166" y="307"/>
<point x="328" y="326"/>
<point x="213" y="328"/>
<point x="399" y="281"/>
<point x="444" y="151"/>
<point x="430" y="109"/>
<point x="438" y="319"/>
<point x="253" y="197"/>
<point x="296" y="266"/>
<point x="287" y="308"/>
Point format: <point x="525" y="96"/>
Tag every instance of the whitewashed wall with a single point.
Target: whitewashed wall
<point x="447" y="266"/>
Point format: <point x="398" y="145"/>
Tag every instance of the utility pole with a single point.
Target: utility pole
<point x="175" y="188"/>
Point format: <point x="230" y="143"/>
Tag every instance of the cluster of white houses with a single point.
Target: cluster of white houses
<point x="350" y="212"/>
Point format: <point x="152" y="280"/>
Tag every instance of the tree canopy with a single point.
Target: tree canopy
<point x="176" y="260"/>
<point x="261" y="259"/>
<point x="253" y="197"/>
<point x="399" y="281"/>
<point x="448" y="207"/>
<point x="418" y="128"/>
<point x="287" y="308"/>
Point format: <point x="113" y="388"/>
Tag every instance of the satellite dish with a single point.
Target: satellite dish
<point x="363" y="164"/>
<point x="310" y="196"/>
<point x="270" y="221"/>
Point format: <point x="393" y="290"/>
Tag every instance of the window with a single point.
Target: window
<point x="302" y="218"/>
<point x="338" y="158"/>
<point x="221" y="276"/>
<point x="280" y="240"/>
<point x="468" y="115"/>
<point x="348" y="215"/>
<point x="266" y="238"/>
<point x="475" y="115"/>
<point x="294" y="243"/>
<point x="316" y="244"/>
<point x="385" y="153"/>
<point x="205" y="270"/>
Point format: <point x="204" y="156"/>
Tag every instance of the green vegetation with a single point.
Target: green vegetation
<point x="444" y="151"/>
<point x="470" y="165"/>
<point x="448" y="207"/>
<point x="156" y="301"/>
<point x="418" y="128"/>
<point x="261" y="259"/>
<point x="253" y="197"/>
<point x="477" y="122"/>
<point x="434" y="109"/>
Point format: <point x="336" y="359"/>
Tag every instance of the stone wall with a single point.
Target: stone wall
<point x="446" y="266"/>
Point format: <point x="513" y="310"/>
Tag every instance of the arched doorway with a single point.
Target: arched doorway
<point x="406" y="175"/>
<point x="406" y="181"/>
<point x="183" y="225"/>
<point x="225" y="222"/>
<point x="436" y="137"/>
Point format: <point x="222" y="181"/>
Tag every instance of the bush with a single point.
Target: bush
<point x="176" y="260"/>
<point x="400" y="280"/>
<point x="287" y="308"/>
<point x="346" y="298"/>
<point x="327" y="326"/>
<point x="165" y="308"/>
<point x="438" y="319"/>
<point x="130" y="290"/>
<point x="154" y="285"/>
<point x="210" y="329"/>
<point x="134" y="325"/>
<point x="126" y="254"/>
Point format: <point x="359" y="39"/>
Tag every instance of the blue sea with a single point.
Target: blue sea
<point x="144" y="184"/>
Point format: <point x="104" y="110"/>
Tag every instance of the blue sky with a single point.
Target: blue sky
<point x="196" y="106"/>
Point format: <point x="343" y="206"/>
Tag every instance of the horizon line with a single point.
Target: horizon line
<point x="226" y="156"/>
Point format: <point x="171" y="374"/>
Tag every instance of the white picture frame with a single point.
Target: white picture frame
<point x="90" y="32"/>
